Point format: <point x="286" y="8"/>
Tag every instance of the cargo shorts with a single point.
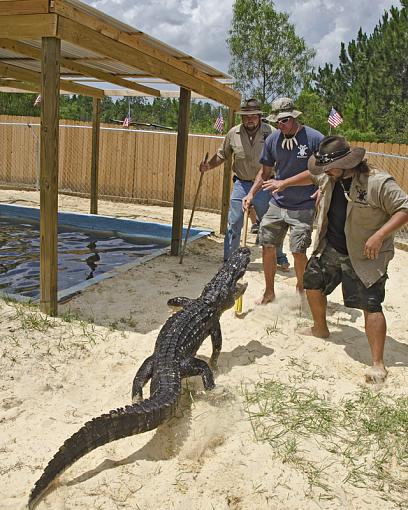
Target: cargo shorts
<point x="326" y="272"/>
<point x="276" y="222"/>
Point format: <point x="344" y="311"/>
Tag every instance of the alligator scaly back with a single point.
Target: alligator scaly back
<point x="173" y="359"/>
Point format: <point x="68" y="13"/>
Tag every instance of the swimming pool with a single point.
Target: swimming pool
<point x="90" y="249"/>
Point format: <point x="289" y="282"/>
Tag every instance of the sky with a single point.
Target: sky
<point x="200" y="27"/>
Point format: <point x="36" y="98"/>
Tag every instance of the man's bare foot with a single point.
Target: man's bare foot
<point x="268" y="297"/>
<point x="314" y="331"/>
<point x="375" y="375"/>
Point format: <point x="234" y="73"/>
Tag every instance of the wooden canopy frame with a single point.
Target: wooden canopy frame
<point x="50" y="46"/>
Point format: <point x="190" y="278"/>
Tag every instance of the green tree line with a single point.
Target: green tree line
<point x="159" y="111"/>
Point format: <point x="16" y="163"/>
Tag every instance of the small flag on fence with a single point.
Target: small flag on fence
<point x="126" y="122"/>
<point x="37" y="100"/>
<point x="335" y="119"/>
<point x="219" y="123"/>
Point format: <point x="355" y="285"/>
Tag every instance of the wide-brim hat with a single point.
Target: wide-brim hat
<point x="250" y="107"/>
<point x="334" y="152"/>
<point x="281" y="108"/>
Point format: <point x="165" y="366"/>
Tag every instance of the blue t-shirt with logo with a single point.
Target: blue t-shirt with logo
<point x="289" y="163"/>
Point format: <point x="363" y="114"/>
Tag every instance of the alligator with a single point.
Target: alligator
<point x="172" y="360"/>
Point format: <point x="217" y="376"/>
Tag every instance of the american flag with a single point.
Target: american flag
<point x="219" y="123"/>
<point x="37" y="100"/>
<point x="335" y="119"/>
<point x="126" y="122"/>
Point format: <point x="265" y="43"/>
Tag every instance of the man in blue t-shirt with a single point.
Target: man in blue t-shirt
<point x="285" y="153"/>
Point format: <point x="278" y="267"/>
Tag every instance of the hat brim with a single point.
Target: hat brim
<point x="351" y="160"/>
<point x="249" y="112"/>
<point x="274" y="117"/>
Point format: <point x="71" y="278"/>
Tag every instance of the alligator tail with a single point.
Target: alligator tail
<point x="116" y="424"/>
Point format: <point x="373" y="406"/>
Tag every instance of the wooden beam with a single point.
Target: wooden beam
<point x="21" y="85"/>
<point x="50" y="68"/>
<point x="114" y="29"/>
<point x="180" y="177"/>
<point x="35" y="53"/>
<point x="18" y="73"/>
<point x="226" y="182"/>
<point x="96" y="123"/>
<point x="29" y="26"/>
<point x="155" y="63"/>
<point x="24" y="7"/>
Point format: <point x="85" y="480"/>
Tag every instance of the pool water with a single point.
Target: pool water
<point x="82" y="255"/>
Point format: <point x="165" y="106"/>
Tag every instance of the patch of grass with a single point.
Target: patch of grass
<point x="366" y="434"/>
<point x="273" y="328"/>
<point x="31" y="318"/>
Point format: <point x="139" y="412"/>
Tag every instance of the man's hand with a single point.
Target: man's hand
<point x="204" y="167"/>
<point x="247" y="201"/>
<point x="373" y="246"/>
<point x="273" y="185"/>
<point x="317" y="195"/>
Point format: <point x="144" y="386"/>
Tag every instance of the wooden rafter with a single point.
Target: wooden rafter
<point x="80" y="35"/>
<point x="17" y="73"/>
<point x="34" y="53"/>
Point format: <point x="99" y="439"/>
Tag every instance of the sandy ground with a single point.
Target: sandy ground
<point x="58" y="373"/>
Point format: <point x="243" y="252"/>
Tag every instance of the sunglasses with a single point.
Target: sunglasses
<point x="283" y="121"/>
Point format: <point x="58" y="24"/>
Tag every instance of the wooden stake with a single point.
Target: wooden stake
<point x="192" y="211"/>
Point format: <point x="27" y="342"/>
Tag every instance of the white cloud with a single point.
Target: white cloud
<point x="200" y="27"/>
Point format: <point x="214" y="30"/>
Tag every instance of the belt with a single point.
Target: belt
<point x="235" y="178"/>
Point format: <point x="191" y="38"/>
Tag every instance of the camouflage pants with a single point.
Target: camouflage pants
<point x="326" y="272"/>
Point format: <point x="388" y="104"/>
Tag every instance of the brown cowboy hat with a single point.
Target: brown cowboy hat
<point x="334" y="152"/>
<point x="250" y="107"/>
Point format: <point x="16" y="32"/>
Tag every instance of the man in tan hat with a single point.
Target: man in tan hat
<point x="244" y="143"/>
<point x="286" y="152"/>
<point x="360" y="209"/>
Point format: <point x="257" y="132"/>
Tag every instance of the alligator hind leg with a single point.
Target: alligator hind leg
<point x="216" y="340"/>
<point x="195" y="366"/>
<point x="142" y="376"/>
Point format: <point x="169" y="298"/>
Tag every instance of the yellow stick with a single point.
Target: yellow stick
<point x="238" y="302"/>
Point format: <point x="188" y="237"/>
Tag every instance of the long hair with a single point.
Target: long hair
<point x="363" y="168"/>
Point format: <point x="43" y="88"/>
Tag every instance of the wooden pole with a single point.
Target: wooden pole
<point x="96" y="123"/>
<point x="226" y="181"/>
<point x="50" y="82"/>
<point x="180" y="177"/>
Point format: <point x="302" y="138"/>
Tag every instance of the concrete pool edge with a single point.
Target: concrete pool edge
<point x="106" y="224"/>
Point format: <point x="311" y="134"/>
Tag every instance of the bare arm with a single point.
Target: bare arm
<point x="302" y="179"/>
<point x="263" y="174"/>
<point x="214" y="162"/>
<point x="373" y="245"/>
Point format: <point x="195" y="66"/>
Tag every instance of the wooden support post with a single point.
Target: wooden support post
<point x="226" y="181"/>
<point x="50" y="82"/>
<point x="96" y="123"/>
<point x="180" y="177"/>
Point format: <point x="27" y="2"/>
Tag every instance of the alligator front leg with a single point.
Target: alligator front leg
<point x="195" y="366"/>
<point x="143" y="375"/>
<point x="216" y="340"/>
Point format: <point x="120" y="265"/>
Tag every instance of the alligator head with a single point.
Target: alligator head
<point x="225" y="287"/>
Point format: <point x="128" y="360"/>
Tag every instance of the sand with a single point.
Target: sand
<point x="57" y="373"/>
